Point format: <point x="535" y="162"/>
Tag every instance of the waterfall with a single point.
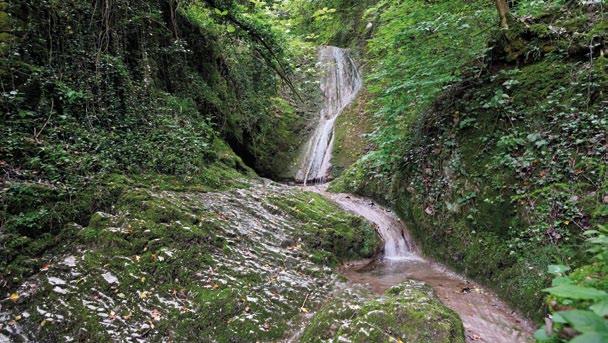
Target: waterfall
<point x="340" y="84"/>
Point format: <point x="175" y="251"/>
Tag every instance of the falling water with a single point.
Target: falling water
<point x="340" y="84"/>
<point x="397" y="243"/>
<point x="485" y="317"/>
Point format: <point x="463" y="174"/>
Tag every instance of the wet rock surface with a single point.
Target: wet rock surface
<point x="184" y="266"/>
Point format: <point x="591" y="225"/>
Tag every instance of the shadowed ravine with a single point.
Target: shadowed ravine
<point x="485" y="317"/>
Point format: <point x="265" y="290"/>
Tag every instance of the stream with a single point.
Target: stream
<point x="485" y="317"/>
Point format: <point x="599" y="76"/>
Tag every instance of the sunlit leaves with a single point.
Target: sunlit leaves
<point x="418" y="49"/>
<point x="323" y="13"/>
<point x="589" y="317"/>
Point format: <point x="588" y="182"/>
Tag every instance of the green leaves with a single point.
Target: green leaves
<point x="588" y="319"/>
<point x="576" y="292"/>
<point x="600" y="308"/>
<point x="591" y="337"/>
<point x="584" y="321"/>
<point x="323" y="14"/>
<point x="220" y="12"/>
<point x="593" y="328"/>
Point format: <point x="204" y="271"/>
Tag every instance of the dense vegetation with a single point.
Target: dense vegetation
<point x="489" y="140"/>
<point x="92" y="89"/>
<point x="491" y="143"/>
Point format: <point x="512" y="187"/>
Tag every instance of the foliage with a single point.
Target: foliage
<point x="92" y="89"/>
<point x="329" y="22"/>
<point x="417" y="50"/>
<point x="579" y="301"/>
<point x="500" y="173"/>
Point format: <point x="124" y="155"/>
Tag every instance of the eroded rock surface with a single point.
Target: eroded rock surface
<point x="183" y="266"/>
<point x="244" y="265"/>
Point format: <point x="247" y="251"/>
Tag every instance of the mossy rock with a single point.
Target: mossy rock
<point x="329" y="234"/>
<point x="409" y="312"/>
<point x="188" y="265"/>
<point x="352" y="128"/>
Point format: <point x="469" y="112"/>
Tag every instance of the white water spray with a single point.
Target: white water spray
<point x="340" y="84"/>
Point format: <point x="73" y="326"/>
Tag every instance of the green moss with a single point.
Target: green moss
<point x="39" y="217"/>
<point x="599" y="29"/>
<point x="500" y="177"/>
<point x="329" y="233"/>
<point x="193" y="265"/>
<point x="351" y="130"/>
<point x="408" y="312"/>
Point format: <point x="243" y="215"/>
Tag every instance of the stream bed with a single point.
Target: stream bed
<point x="485" y="317"/>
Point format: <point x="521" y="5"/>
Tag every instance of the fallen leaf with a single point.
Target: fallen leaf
<point x="14" y="297"/>
<point x="110" y="278"/>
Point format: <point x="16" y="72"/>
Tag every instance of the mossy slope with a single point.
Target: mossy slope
<point x="351" y="134"/>
<point x="500" y="177"/>
<point x="144" y="89"/>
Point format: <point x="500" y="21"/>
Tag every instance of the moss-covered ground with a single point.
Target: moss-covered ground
<point x="179" y="264"/>
<point x="408" y="312"/>
<point x="331" y="235"/>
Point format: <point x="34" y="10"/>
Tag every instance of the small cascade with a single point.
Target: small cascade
<point x="483" y="314"/>
<point x="396" y="246"/>
<point x="397" y="243"/>
<point x="340" y="84"/>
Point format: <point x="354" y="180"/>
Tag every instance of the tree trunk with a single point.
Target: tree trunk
<point x="503" y="12"/>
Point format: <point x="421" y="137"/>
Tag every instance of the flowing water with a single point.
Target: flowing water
<point x="340" y="84"/>
<point x="485" y="317"/>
